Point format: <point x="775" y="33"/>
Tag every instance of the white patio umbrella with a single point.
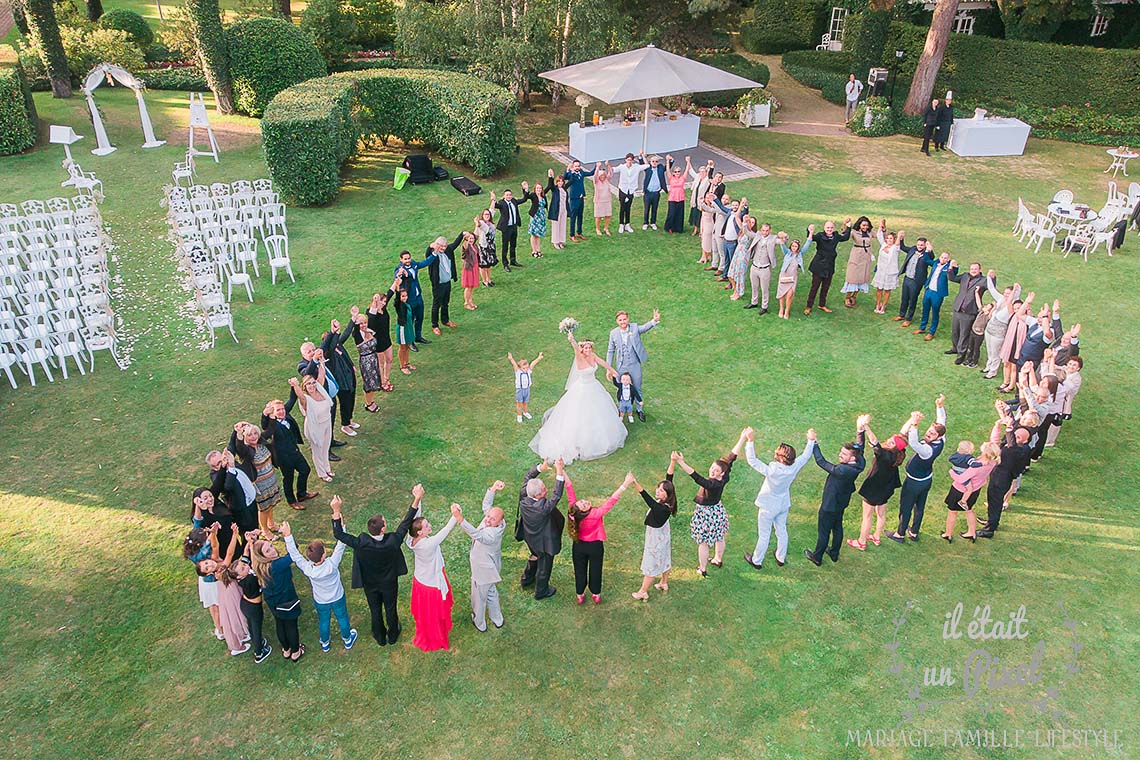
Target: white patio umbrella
<point x="644" y="74"/>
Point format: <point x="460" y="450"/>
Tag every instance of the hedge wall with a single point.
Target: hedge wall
<point x="777" y="26"/>
<point x="1012" y="72"/>
<point x="736" y="64"/>
<point x="311" y="129"/>
<point x="821" y="70"/>
<point x="268" y="55"/>
<point x="186" y="78"/>
<point x="17" y="111"/>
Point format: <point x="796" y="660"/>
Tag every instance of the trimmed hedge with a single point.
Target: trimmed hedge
<point x="1011" y="72"/>
<point x="186" y="78"/>
<point x="736" y="64"/>
<point x="311" y="129"/>
<point x="130" y="22"/>
<point x="17" y="111"/>
<point x="777" y="26"/>
<point x="821" y="70"/>
<point x="268" y="55"/>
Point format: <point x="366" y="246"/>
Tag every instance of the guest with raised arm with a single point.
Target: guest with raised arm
<point x="886" y="267"/>
<point x="822" y="266"/>
<point x="486" y="559"/>
<point x="248" y="442"/>
<point x="440" y="259"/>
<point x="234" y="624"/>
<point x="702" y="181"/>
<point x="790" y="268"/>
<point x="409" y="273"/>
<point x="709" y="523"/>
<point x="937" y="289"/>
<point x="967" y="304"/>
<point x="1013" y="460"/>
<point x="760" y="262"/>
<point x="469" y="278"/>
<point x="284" y="438"/>
<point x="1067" y="390"/>
<point x="628" y="180"/>
<point x="919" y="258"/>
<point x="774" y="499"/>
<point x="377" y="564"/>
<point x="485" y="239"/>
<point x="539" y="523"/>
<point x="432" y="599"/>
<point x="251" y="606"/>
<point x="323" y="571"/>
<point x="860" y="261"/>
<point x="315" y="406"/>
<point x="710" y="251"/>
<point x="275" y="574"/>
<point x="657" y="556"/>
<point x="523" y="383"/>
<point x="380" y="323"/>
<point x="586" y="525"/>
<point x="575" y="179"/>
<point x="1019" y="323"/>
<point x="878" y="487"/>
<point x="557" y="208"/>
<point x="538" y="214"/>
<point x="510" y="218"/>
<point x="1005" y="304"/>
<point x="837" y="492"/>
<point x="919" y="471"/>
<point x="603" y="197"/>
<point x="675" y="215"/>
<point x="366" y="341"/>
<point x="652" y="183"/>
<point x="967" y="476"/>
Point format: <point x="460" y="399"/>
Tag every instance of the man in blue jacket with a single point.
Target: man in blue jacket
<point x="575" y="180"/>
<point x="937" y="288"/>
<point x="837" y="492"/>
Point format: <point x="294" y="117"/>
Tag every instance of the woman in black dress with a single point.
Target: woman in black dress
<point x="879" y="486"/>
<point x="379" y="322"/>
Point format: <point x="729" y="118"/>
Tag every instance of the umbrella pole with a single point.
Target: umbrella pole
<point x="645" y="131"/>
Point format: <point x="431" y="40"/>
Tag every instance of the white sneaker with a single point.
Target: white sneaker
<point x="518" y="417"/>
<point x="527" y="415"/>
<point x="646" y="226"/>
<point x="621" y="228"/>
<point x="236" y="652"/>
<point x="218" y="634"/>
<point x="654" y="226"/>
<point x="631" y="418"/>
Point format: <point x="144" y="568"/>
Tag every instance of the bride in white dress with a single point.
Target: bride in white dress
<point x="585" y="423"/>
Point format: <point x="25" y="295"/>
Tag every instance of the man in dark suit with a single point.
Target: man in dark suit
<point x="937" y="288"/>
<point x="837" y="491"/>
<point x="409" y="271"/>
<point x="540" y="524"/>
<point x="971" y="286"/>
<point x="510" y="217"/>
<point x="574" y="178"/>
<point x="237" y="490"/>
<point x="916" y="266"/>
<point x="822" y="266"/>
<point x="929" y="124"/>
<point x="377" y="564"/>
<point x="441" y="272"/>
<point x="1014" y="461"/>
<point x="284" y="435"/>
<point x="945" y="121"/>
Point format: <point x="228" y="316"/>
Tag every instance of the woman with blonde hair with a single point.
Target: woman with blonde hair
<point x="316" y="405"/>
<point x="603" y="197"/>
<point x="275" y="574"/>
<point x="258" y="462"/>
<point x="790" y="268"/>
<point x="967" y="484"/>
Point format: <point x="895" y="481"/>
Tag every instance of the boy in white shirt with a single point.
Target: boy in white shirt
<point x="522" y="384"/>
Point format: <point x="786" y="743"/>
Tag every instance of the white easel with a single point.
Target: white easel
<point x="199" y="119"/>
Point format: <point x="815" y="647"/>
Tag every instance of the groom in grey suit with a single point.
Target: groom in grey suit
<point x="486" y="561"/>
<point x="626" y="353"/>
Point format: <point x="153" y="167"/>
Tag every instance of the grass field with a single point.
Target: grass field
<point x="107" y="651"/>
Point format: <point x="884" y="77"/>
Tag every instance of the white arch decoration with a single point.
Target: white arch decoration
<point x="110" y="73"/>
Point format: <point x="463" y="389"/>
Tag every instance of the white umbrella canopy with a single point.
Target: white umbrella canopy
<point x="643" y="74"/>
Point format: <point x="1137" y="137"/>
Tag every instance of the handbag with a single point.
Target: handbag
<point x="331" y="385"/>
<point x="787" y="279"/>
<point x="519" y="536"/>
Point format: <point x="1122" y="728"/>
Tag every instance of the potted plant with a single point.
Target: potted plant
<point x="583" y="102"/>
<point x="756" y="107"/>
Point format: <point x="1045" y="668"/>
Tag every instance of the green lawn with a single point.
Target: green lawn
<point x="107" y="651"/>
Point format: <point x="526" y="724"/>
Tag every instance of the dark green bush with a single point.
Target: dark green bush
<point x="1012" y="72"/>
<point x="777" y="26"/>
<point x="821" y="70"/>
<point x="736" y="64"/>
<point x="268" y="55"/>
<point x="17" y="111"/>
<point x="310" y="130"/>
<point x="374" y="26"/>
<point x="882" y="118"/>
<point x="329" y="27"/>
<point x="186" y="78"/>
<point x="130" y="22"/>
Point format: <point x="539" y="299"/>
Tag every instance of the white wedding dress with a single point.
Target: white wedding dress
<point x="584" y="424"/>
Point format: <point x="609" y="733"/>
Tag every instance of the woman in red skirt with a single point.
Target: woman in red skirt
<point x="431" y="591"/>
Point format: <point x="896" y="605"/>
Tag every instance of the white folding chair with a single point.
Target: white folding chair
<point x="277" y="246"/>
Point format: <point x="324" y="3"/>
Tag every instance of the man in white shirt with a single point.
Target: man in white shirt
<point x="854" y="88"/>
<point x="328" y="591"/>
<point x="629" y="177"/>
<point x="487" y="561"/>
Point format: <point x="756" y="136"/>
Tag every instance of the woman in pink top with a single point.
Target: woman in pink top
<point x="967" y="483"/>
<point x="587" y="529"/>
<point x="675" y="180"/>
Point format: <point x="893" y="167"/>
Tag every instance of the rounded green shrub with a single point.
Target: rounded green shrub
<point x="130" y="22"/>
<point x="17" y="111"/>
<point x="268" y="55"/>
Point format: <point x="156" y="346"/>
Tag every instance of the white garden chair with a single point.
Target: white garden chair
<point x="217" y="317"/>
<point x="68" y="345"/>
<point x="34" y="351"/>
<point x="245" y="251"/>
<point x="263" y="185"/>
<point x="84" y="182"/>
<point x="1088" y="237"/>
<point x="9" y="210"/>
<point x="184" y="170"/>
<point x="277" y="246"/>
<point x="1064" y="197"/>
<point x="1024" y="222"/>
<point x="7" y="359"/>
<point x="233" y="276"/>
<point x="82" y="202"/>
<point x="99" y="339"/>
<point x="1043" y="229"/>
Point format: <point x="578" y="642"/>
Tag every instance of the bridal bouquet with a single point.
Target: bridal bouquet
<point x="568" y="325"/>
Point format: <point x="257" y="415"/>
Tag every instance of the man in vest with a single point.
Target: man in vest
<point x="919" y="471"/>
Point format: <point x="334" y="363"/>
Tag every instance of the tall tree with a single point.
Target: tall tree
<point x="931" y="60"/>
<point x="45" y="29"/>
<point x="283" y="7"/>
<point x="1040" y="19"/>
<point x="94" y="9"/>
<point x="206" y="24"/>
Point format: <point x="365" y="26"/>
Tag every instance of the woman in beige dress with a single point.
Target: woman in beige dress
<point x="603" y="197"/>
<point x="316" y="405"/>
<point x="861" y="261"/>
<point x="557" y="208"/>
<point x="708" y="228"/>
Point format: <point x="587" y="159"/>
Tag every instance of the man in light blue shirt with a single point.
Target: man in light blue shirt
<point x="652" y="182"/>
<point x="440" y="261"/>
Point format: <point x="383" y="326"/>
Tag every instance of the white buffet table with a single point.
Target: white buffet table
<point x="611" y="140"/>
<point x="988" y="137"/>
